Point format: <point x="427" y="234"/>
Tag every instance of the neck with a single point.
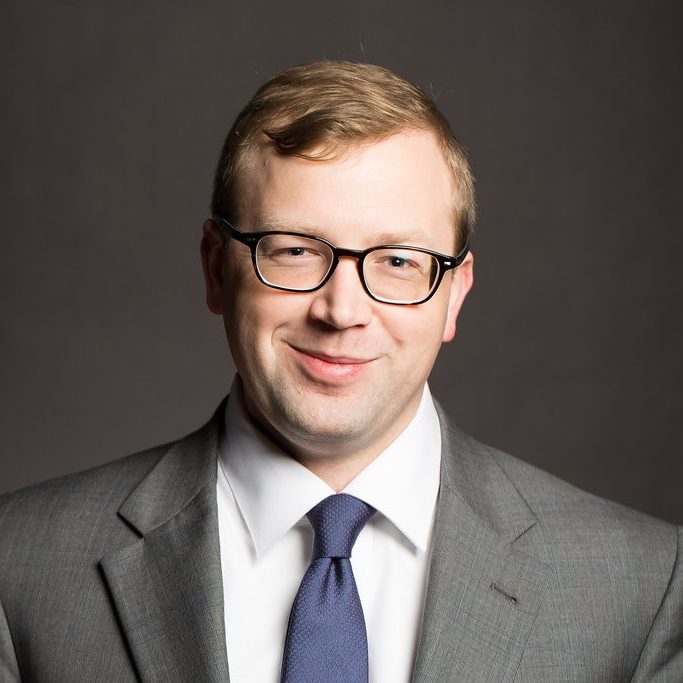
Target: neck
<point x="338" y="472"/>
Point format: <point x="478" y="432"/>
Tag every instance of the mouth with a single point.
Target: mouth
<point x="339" y="360"/>
<point x="321" y="366"/>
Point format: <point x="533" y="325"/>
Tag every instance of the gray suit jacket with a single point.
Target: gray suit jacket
<point x="114" y="575"/>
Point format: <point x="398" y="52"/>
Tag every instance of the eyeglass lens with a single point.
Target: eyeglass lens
<point x="302" y="263"/>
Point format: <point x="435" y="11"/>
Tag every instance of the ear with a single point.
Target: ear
<point x="463" y="279"/>
<point x="213" y="252"/>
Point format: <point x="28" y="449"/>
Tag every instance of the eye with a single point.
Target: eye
<point x="288" y="248"/>
<point x="397" y="261"/>
<point x="296" y="253"/>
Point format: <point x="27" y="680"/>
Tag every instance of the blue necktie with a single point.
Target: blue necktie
<point x="326" y="636"/>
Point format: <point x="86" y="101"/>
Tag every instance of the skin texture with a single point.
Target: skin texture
<point x="332" y="375"/>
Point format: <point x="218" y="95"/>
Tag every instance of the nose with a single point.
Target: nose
<point x="342" y="302"/>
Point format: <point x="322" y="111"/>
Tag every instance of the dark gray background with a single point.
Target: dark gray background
<point x="569" y="348"/>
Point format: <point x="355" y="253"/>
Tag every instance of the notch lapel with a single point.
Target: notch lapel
<point x="167" y="587"/>
<point x="483" y="593"/>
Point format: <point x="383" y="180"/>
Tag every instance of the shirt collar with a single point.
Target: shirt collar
<point x="273" y="491"/>
<point x="402" y="482"/>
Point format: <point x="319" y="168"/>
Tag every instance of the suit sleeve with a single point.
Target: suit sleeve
<point x="9" y="669"/>
<point x="662" y="656"/>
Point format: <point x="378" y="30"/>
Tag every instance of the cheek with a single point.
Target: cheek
<point x="240" y="317"/>
<point x="418" y="329"/>
<point x="254" y="315"/>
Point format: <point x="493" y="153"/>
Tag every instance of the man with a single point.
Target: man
<point x="338" y="256"/>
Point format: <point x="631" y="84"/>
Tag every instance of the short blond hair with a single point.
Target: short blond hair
<point x="315" y="110"/>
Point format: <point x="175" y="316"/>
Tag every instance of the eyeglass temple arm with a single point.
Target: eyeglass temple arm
<point x="247" y="238"/>
<point x="458" y="258"/>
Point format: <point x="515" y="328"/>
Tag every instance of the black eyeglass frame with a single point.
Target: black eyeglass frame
<point x="251" y="239"/>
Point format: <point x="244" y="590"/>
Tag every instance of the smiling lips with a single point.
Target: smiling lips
<point x="323" y="367"/>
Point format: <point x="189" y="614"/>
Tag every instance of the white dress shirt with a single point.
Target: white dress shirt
<point x="266" y="542"/>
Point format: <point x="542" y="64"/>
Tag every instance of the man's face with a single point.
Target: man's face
<point x="332" y="372"/>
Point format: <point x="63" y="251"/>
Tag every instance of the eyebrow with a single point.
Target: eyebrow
<point x="415" y="237"/>
<point x="419" y="237"/>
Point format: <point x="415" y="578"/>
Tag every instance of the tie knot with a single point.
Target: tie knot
<point x="337" y="521"/>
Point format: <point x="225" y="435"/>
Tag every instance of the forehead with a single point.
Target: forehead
<point x="400" y="183"/>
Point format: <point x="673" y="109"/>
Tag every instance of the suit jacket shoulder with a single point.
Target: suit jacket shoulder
<point x="69" y="501"/>
<point x="101" y="571"/>
<point x="571" y="517"/>
<point x="559" y="584"/>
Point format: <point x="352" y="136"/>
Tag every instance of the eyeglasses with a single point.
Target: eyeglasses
<point x="390" y="273"/>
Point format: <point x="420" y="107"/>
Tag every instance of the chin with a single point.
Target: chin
<point x="321" y="421"/>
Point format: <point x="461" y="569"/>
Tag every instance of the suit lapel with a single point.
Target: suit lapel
<point x="167" y="587"/>
<point x="483" y="593"/>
